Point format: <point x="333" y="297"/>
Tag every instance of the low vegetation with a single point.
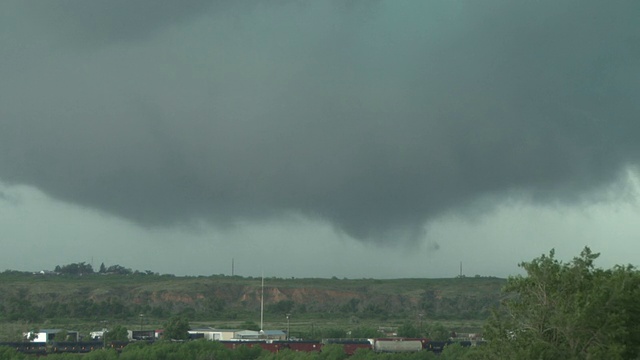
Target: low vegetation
<point x="557" y="310"/>
<point x="78" y="295"/>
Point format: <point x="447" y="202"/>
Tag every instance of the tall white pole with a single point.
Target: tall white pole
<point x="288" y="327"/>
<point x="262" y="304"/>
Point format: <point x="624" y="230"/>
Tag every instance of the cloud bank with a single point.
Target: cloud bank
<point x="375" y="117"/>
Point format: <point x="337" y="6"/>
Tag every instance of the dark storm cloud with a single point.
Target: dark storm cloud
<point x="375" y="117"/>
<point x="100" y="22"/>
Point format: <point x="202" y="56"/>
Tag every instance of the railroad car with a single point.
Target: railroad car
<point x="399" y="345"/>
<point x="350" y="345"/>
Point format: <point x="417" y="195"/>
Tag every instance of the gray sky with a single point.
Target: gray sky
<point x="327" y="138"/>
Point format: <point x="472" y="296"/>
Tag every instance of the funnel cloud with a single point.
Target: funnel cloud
<point x="374" y="117"/>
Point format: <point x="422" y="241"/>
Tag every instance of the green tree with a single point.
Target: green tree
<point x="438" y="332"/>
<point x="246" y="353"/>
<point x="332" y="352"/>
<point x="119" y="269"/>
<point x="408" y="330"/>
<point x="282" y="307"/>
<point x="176" y="329"/>
<point x="105" y="354"/>
<point x="7" y="353"/>
<point x="61" y="336"/>
<point x="350" y="306"/>
<point x="455" y="352"/>
<point x="568" y="311"/>
<point x="33" y="334"/>
<point x="118" y="333"/>
<point x="19" y="307"/>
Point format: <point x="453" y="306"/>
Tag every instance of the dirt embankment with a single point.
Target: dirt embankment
<point x="225" y="296"/>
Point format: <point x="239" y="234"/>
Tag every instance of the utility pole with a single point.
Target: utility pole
<point x="288" y="327"/>
<point x="262" y="304"/>
<point x="104" y="334"/>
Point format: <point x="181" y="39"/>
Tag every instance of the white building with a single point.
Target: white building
<point x="210" y="333"/>
<point x="274" y="334"/>
<point x="95" y="335"/>
<point x="235" y="334"/>
<point x="248" y="335"/>
<point x="48" y="335"/>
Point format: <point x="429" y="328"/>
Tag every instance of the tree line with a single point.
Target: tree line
<point x="82" y="268"/>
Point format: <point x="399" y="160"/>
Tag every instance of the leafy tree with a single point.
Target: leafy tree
<point x="74" y="269"/>
<point x="333" y="352"/>
<point x="408" y="330"/>
<point x="33" y="334"/>
<point x="105" y="354"/>
<point x="375" y="311"/>
<point x="103" y="269"/>
<point x="188" y="313"/>
<point x="438" y="332"/>
<point x="282" y="307"/>
<point x="7" y="353"/>
<point x="19" y="307"/>
<point x="176" y="329"/>
<point x="118" y="333"/>
<point x="568" y="311"/>
<point x="246" y="353"/>
<point x="61" y="336"/>
<point x="350" y="306"/>
<point x="455" y="352"/>
<point x="363" y="354"/>
<point x="300" y="309"/>
<point x="119" y="269"/>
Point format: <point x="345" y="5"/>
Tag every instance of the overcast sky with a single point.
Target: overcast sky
<point x="353" y="139"/>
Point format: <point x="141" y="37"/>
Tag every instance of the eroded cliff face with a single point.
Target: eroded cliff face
<point x="224" y="297"/>
<point x="242" y="296"/>
<point x="363" y="302"/>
